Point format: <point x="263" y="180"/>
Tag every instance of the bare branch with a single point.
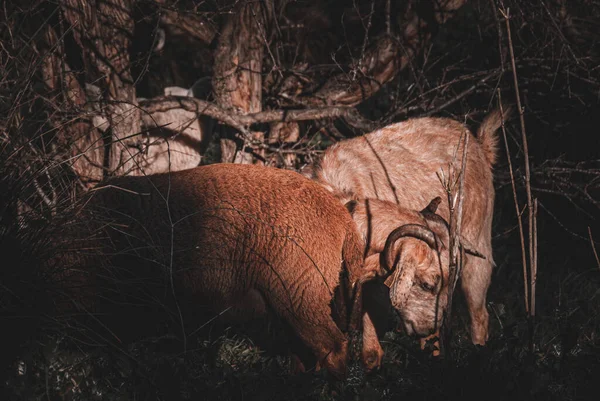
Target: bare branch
<point x="534" y="258"/>
<point x="380" y="65"/>
<point x="519" y="219"/>
<point x="241" y="122"/>
<point x="383" y="60"/>
<point x="593" y="246"/>
<point x="530" y="207"/>
<point x="179" y="23"/>
<point x="456" y="177"/>
<point x="462" y="94"/>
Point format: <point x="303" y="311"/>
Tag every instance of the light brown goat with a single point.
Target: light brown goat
<point x="399" y="165"/>
<point x="397" y="235"/>
<point x="241" y="238"/>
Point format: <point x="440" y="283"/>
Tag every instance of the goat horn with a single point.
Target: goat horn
<point x="429" y="213"/>
<point x="408" y="230"/>
<point x="433" y="205"/>
<point x="434" y="217"/>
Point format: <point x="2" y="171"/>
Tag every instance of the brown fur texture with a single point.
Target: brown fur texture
<point x="247" y="238"/>
<point x="398" y="164"/>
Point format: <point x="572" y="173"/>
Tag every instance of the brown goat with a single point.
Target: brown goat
<point x="242" y="238"/>
<point x="398" y="164"/>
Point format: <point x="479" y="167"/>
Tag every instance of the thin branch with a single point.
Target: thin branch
<point x="535" y="258"/>
<point x="458" y="204"/>
<point x="383" y="59"/>
<point x="241" y="122"/>
<point x="457" y="253"/>
<point x="530" y="211"/>
<point x="593" y="246"/>
<point x="388" y="24"/>
<point x="462" y="94"/>
<point x="501" y="49"/>
<point x="189" y="25"/>
<point x="519" y="219"/>
<point x="365" y="40"/>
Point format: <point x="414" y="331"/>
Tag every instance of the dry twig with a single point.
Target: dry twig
<point x="530" y="206"/>
<point x="593" y="246"/>
<point x="457" y="253"/>
<point x="517" y="209"/>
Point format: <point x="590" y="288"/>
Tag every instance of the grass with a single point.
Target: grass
<point x="227" y="365"/>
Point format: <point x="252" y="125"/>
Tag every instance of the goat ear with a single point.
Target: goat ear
<point x="436" y="222"/>
<point x="351" y="206"/>
<point x="433" y="205"/>
<point x="308" y="171"/>
<point x="389" y="281"/>
<point x="470" y="249"/>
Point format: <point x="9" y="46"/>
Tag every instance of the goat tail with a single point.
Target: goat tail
<point x="487" y="134"/>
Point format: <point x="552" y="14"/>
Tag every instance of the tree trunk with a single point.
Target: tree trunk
<point x="83" y="141"/>
<point x="237" y="79"/>
<point x="103" y="29"/>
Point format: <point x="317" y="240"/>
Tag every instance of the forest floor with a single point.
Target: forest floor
<point x="227" y="365"/>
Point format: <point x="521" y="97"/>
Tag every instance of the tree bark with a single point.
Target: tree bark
<point x="237" y="79"/>
<point x="103" y="29"/>
<point x="177" y="23"/>
<point x="83" y="141"/>
<point x="241" y="121"/>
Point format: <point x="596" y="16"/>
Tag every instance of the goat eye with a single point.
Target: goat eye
<point x="427" y="287"/>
